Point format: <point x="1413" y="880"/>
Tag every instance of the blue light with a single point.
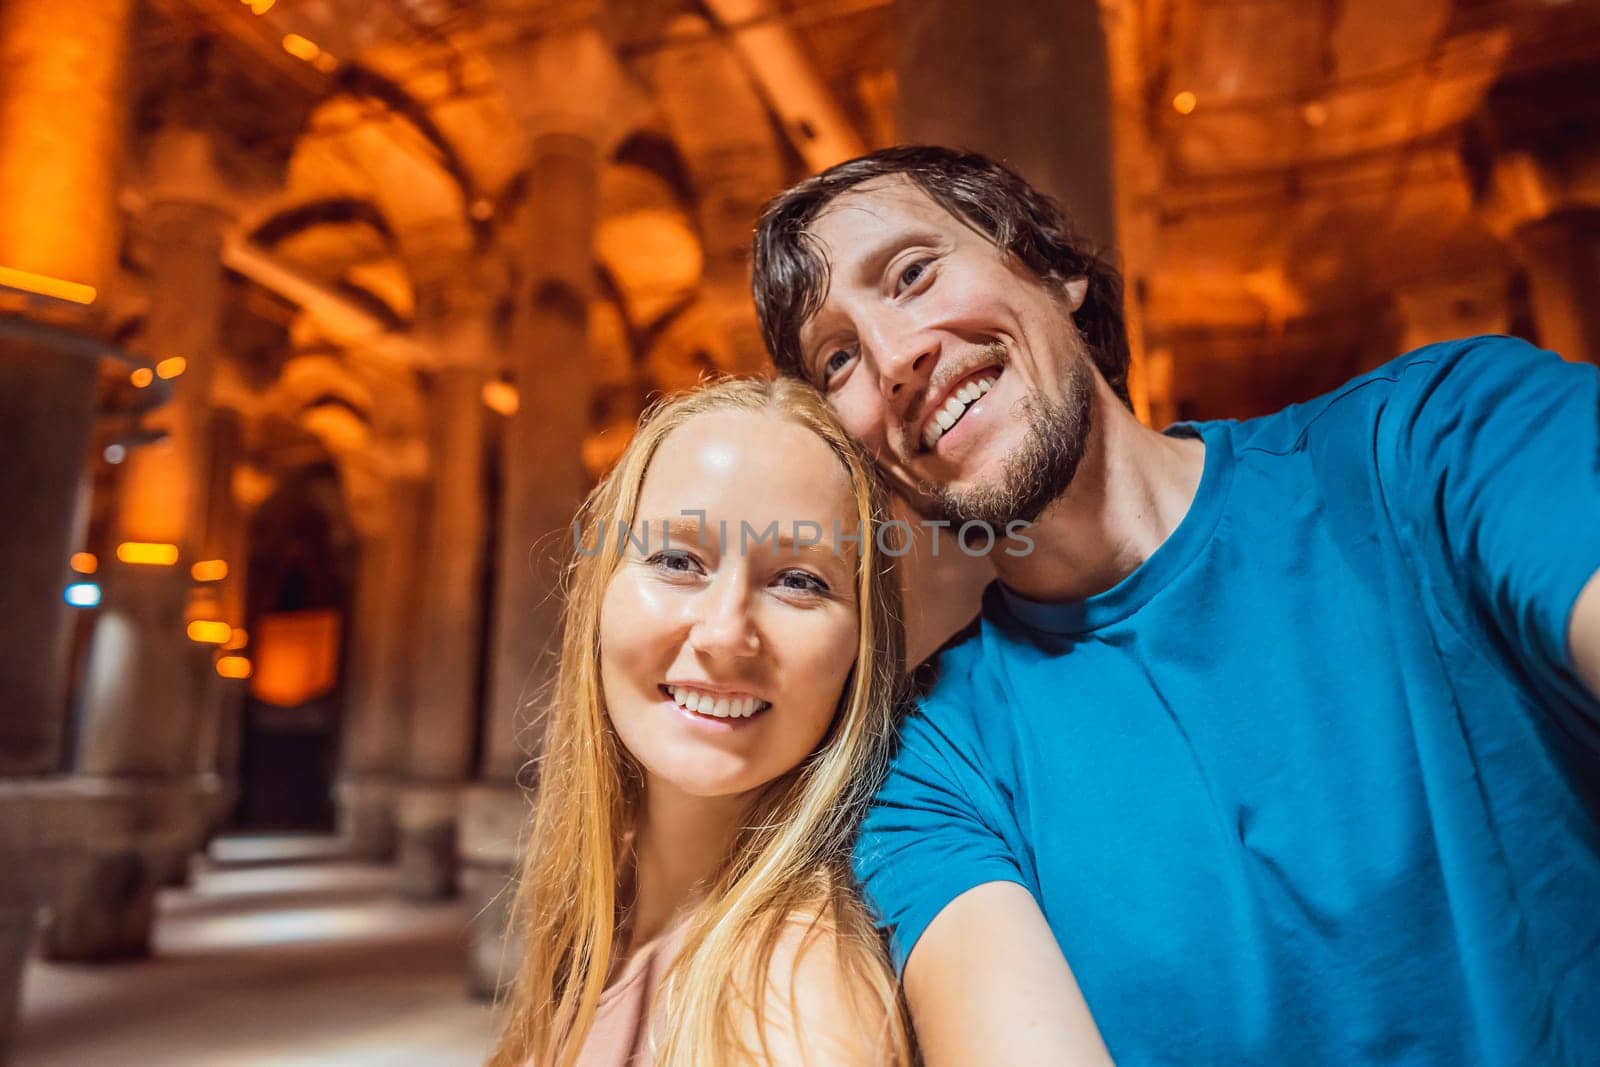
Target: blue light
<point x="83" y="594"/>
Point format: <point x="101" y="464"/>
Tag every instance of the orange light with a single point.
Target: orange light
<point x="1185" y="102"/>
<point x="171" y="367"/>
<point x="142" y="377"/>
<point x="501" y="397"/>
<point x="258" y="7"/>
<point x="44" y="285"/>
<point x="233" y="667"/>
<point x="300" y="47"/>
<point x="239" y="639"/>
<point x="298" y="657"/>
<point x="209" y="632"/>
<point x="209" y="570"/>
<point x="325" y="63"/>
<point x="157" y="555"/>
<point x="85" y="562"/>
<point x="1315" y="113"/>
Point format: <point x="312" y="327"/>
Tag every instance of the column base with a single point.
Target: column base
<point x="367" y="817"/>
<point x="35" y="828"/>
<point x="127" y="839"/>
<point x="425" y="817"/>
<point x="494" y="819"/>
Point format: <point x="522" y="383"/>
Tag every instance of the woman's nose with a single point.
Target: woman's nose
<point x="725" y="626"/>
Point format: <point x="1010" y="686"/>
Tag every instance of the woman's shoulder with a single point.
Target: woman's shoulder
<point x="826" y="995"/>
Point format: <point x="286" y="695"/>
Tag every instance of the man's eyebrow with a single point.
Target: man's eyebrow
<point x="872" y="264"/>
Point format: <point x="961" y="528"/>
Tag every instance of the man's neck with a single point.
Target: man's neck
<point x="1132" y="489"/>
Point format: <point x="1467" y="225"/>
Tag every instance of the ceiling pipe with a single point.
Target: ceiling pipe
<point x="788" y="82"/>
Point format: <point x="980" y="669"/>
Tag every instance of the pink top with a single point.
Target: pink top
<point x="620" y="1036"/>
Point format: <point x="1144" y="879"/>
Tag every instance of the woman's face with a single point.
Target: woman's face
<point x="723" y="648"/>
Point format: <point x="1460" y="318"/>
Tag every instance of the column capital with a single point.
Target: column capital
<point x="570" y="82"/>
<point x="181" y="181"/>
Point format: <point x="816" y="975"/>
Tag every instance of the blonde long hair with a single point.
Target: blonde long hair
<point x="790" y="860"/>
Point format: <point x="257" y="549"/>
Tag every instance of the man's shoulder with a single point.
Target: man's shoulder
<point x="1407" y="380"/>
<point x="950" y="675"/>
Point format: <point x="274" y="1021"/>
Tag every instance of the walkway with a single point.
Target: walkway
<point x="280" y="953"/>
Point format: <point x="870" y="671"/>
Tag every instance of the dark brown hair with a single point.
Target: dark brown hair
<point x="790" y="274"/>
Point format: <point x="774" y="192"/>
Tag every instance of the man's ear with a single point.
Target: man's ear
<point x="1076" y="289"/>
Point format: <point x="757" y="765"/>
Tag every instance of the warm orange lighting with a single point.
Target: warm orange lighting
<point x="239" y="639"/>
<point x="300" y="47"/>
<point x="157" y="555"/>
<point x="258" y="7"/>
<point x="209" y="632"/>
<point x="171" y="367"/>
<point x="85" y="562"/>
<point x="296" y="657"/>
<point x="142" y="377"/>
<point x="209" y="570"/>
<point x="501" y="397"/>
<point x="1315" y="113"/>
<point x="1184" y="103"/>
<point x="45" y="285"/>
<point x="233" y="667"/>
<point x="325" y="63"/>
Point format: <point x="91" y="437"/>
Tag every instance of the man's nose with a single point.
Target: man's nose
<point x="906" y="356"/>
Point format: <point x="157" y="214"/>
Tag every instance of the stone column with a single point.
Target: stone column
<point x="141" y="716"/>
<point x="373" y="743"/>
<point x="441" y="734"/>
<point x="61" y="130"/>
<point x="731" y="146"/>
<point x="1030" y="88"/>
<point x="575" y="102"/>
<point x="219" y="699"/>
<point x="1561" y="253"/>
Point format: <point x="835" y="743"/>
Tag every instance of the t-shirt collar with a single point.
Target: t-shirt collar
<point x="1150" y="577"/>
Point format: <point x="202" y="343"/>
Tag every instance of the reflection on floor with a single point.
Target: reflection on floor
<point x="280" y="953"/>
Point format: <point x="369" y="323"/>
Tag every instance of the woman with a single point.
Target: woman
<point x="721" y="712"/>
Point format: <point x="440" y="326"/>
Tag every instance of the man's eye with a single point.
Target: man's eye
<point x="911" y="274"/>
<point x="836" y="362"/>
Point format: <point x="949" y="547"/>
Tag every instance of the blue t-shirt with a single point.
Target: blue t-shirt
<point x="1316" y="783"/>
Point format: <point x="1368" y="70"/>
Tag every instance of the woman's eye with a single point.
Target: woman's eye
<point x="675" y="561"/>
<point x="910" y="276"/>
<point x="802" y="581"/>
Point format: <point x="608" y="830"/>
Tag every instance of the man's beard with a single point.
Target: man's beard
<point x="1041" y="468"/>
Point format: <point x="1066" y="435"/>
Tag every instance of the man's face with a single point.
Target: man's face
<point x="960" y="371"/>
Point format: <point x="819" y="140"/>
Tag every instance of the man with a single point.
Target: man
<point x="1281" y="744"/>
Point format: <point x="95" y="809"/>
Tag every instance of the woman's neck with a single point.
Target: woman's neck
<point x="679" y="845"/>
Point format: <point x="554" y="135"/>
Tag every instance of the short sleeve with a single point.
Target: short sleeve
<point x="1500" y="445"/>
<point x="930" y="834"/>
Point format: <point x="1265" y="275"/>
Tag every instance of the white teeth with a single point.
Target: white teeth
<point x="720" y="707"/>
<point x="953" y="408"/>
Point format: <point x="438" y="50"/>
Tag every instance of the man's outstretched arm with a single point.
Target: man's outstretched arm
<point x="1583" y="636"/>
<point x="987" y="983"/>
